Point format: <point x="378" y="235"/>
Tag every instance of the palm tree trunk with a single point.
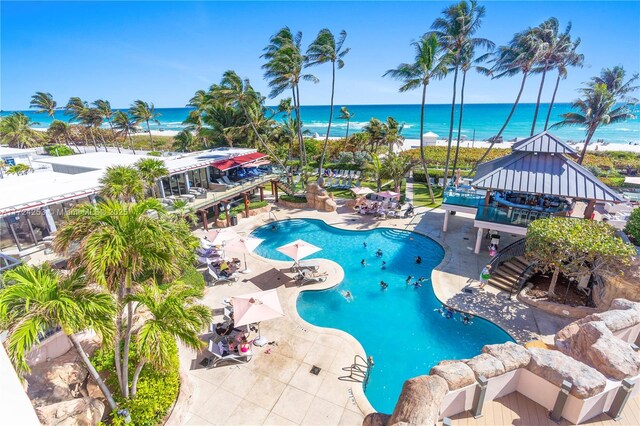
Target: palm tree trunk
<point x="346" y="138"/>
<point x="553" y="99"/>
<point x="424" y="162"/>
<point x="95" y="145"/>
<point x="535" y="114"/>
<point x="113" y="134"/>
<point x="92" y="370"/>
<point x="136" y="376"/>
<point x="297" y="125"/>
<point x="504" y="126"/>
<point x="586" y="144"/>
<point x="153" y="148"/>
<point x="300" y="135"/>
<point x="117" y="339"/>
<point x="326" y="138"/>
<point x="271" y="153"/>
<point x="131" y="143"/>
<point x="125" y="350"/>
<point x="455" y="156"/>
<point x="453" y="110"/>
<point x="104" y="143"/>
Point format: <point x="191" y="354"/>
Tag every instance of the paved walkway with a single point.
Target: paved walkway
<point x="276" y="386"/>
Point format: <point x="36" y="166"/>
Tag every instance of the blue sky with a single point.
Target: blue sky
<point x="163" y="52"/>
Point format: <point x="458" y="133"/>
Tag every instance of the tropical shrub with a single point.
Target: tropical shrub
<point x="19" y="169"/>
<point x="154" y="153"/>
<point x="58" y="150"/>
<point x="573" y="246"/>
<point x="613" y="182"/>
<point x="360" y="158"/>
<point x="240" y="208"/>
<point x="633" y="226"/>
<point x="345" y="157"/>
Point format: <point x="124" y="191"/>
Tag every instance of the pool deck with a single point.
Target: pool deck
<point x="276" y="387"/>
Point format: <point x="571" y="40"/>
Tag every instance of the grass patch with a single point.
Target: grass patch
<point x="421" y="195"/>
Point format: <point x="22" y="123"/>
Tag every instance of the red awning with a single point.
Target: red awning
<point x="257" y="163"/>
<point x="240" y="160"/>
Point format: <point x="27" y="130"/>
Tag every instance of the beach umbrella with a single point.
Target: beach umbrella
<point x="388" y="194"/>
<point x="298" y="249"/>
<point x="256" y="307"/>
<point x="219" y="237"/>
<point x="243" y="245"/>
<point x="358" y="190"/>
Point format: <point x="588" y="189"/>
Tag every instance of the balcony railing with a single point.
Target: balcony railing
<point x="462" y="198"/>
<point x="509" y="216"/>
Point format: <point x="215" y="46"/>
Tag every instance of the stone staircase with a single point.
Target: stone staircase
<point x="285" y="187"/>
<point x="506" y="276"/>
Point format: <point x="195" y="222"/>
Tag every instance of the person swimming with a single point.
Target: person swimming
<point x="273" y="227"/>
<point x="363" y="262"/>
<point x="379" y="253"/>
<point x="384" y="265"/>
<point x="417" y="284"/>
<point x="421" y="279"/>
<point x="347" y="295"/>
<point x="449" y="312"/>
<point x="364" y="244"/>
<point x="383" y="285"/>
<point x="408" y="280"/>
<point x="466" y="319"/>
<point x="418" y="260"/>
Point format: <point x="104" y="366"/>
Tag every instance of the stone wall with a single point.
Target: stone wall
<point x="253" y="212"/>
<point x="623" y="285"/>
<point x="575" y="312"/>
<point x="317" y="198"/>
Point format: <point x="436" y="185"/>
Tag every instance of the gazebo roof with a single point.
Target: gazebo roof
<point x="542" y="173"/>
<point x="544" y="142"/>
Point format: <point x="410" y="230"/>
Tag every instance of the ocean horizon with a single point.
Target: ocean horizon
<point x="480" y="121"/>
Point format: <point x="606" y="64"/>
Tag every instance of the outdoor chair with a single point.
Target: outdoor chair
<point x="308" y="265"/>
<point x="226" y="180"/>
<point x="219" y="355"/>
<point x="226" y="185"/>
<point x="216" y="278"/>
<point x="310" y="277"/>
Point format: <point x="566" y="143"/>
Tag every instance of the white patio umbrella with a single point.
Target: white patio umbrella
<point x="361" y="190"/>
<point x="299" y="249"/>
<point x="388" y="194"/>
<point x="220" y="236"/>
<point x="256" y="307"/>
<point x="243" y="245"/>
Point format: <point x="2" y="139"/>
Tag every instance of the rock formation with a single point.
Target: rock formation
<point x="555" y="367"/>
<point x="622" y="285"/>
<point x="419" y="402"/>
<point x="457" y="374"/>
<point x="511" y="355"/>
<point x="76" y="412"/>
<point x="317" y="198"/>
<point x="595" y="345"/>
<point x="486" y="366"/>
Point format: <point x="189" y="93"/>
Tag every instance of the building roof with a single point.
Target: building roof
<point x="5" y="151"/>
<point x="237" y="161"/>
<point x="544" y="142"/>
<point x="542" y="173"/>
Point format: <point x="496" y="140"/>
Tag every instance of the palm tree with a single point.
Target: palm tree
<point x="393" y="134"/>
<point x="613" y="78"/>
<point x="375" y="131"/>
<point x="16" y="131"/>
<point x="143" y="111"/>
<point x="168" y="315"/>
<point x="45" y="104"/>
<point x="375" y="168"/>
<point x="150" y="170"/>
<point x="429" y="64"/>
<point x="325" y="49"/>
<point x="185" y="141"/>
<point x="125" y="125"/>
<point x="183" y="210"/>
<point x="519" y="56"/>
<point x="345" y="114"/>
<point x="104" y="107"/>
<point x="283" y="71"/>
<point x="79" y="111"/>
<point x="455" y="33"/>
<point x="121" y="245"/>
<point x="241" y="94"/>
<point x="123" y="183"/>
<point x="19" y="169"/>
<point x="566" y="56"/>
<point x="35" y="299"/>
<point x="596" y="108"/>
<point x="395" y="166"/>
<point x="92" y="119"/>
<point x="60" y="131"/>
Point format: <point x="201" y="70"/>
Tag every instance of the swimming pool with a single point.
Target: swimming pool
<point x="400" y="326"/>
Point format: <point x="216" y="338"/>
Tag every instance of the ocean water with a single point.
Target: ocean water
<point x="401" y="326"/>
<point x="480" y="120"/>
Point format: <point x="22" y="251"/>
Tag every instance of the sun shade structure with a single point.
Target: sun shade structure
<point x="539" y="165"/>
<point x="358" y="190"/>
<point x="388" y="194"/>
<point x="298" y="249"/>
<point x="244" y="246"/>
<point x="238" y="161"/>
<point x="256" y="307"/>
<point x="221" y="236"/>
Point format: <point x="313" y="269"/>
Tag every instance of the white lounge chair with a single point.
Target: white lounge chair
<point x="215" y="278"/>
<point x="219" y="355"/>
<point x="310" y="277"/>
<point x="308" y="265"/>
<point x="226" y="180"/>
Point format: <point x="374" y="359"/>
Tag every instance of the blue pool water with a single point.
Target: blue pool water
<point x="399" y="326"/>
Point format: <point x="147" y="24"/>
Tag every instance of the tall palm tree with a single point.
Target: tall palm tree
<point x="150" y="170"/>
<point x="455" y="32"/>
<point x="126" y="126"/>
<point x="241" y="94"/>
<point x="123" y="183"/>
<point x="325" y="49"/>
<point x="77" y="109"/>
<point x="288" y="127"/>
<point x="121" y="245"/>
<point x="596" y="108"/>
<point x="283" y="71"/>
<point x="613" y="78"/>
<point x="61" y="131"/>
<point x="92" y="119"/>
<point x="35" y="299"/>
<point x="566" y="56"/>
<point x="429" y="64"/>
<point x="345" y="114"/>
<point x="145" y="112"/>
<point x="16" y="131"/>
<point x="45" y="104"/>
<point x="375" y="168"/>
<point x="168" y="315"/>
<point x="519" y="56"/>
<point x="393" y="134"/>
<point x="396" y="166"/>
<point x="104" y="107"/>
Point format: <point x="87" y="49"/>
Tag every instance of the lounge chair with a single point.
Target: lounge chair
<point x="305" y="265"/>
<point x="219" y="355"/>
<point x="215" y="278"/>
<point x="226" y="185"/>
<point x="226" y="180"/>
<point x="310" y="277"/>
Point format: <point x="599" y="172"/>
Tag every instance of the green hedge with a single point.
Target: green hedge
<point x="293" y="199"/>
<point x="157" y="389"/>
<point x="58" y="150"/>
<point x="614" y="182"/>
<point x="632" y="229"/>
<point x="240" y="208"/>
<point x="154" y="153"/>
